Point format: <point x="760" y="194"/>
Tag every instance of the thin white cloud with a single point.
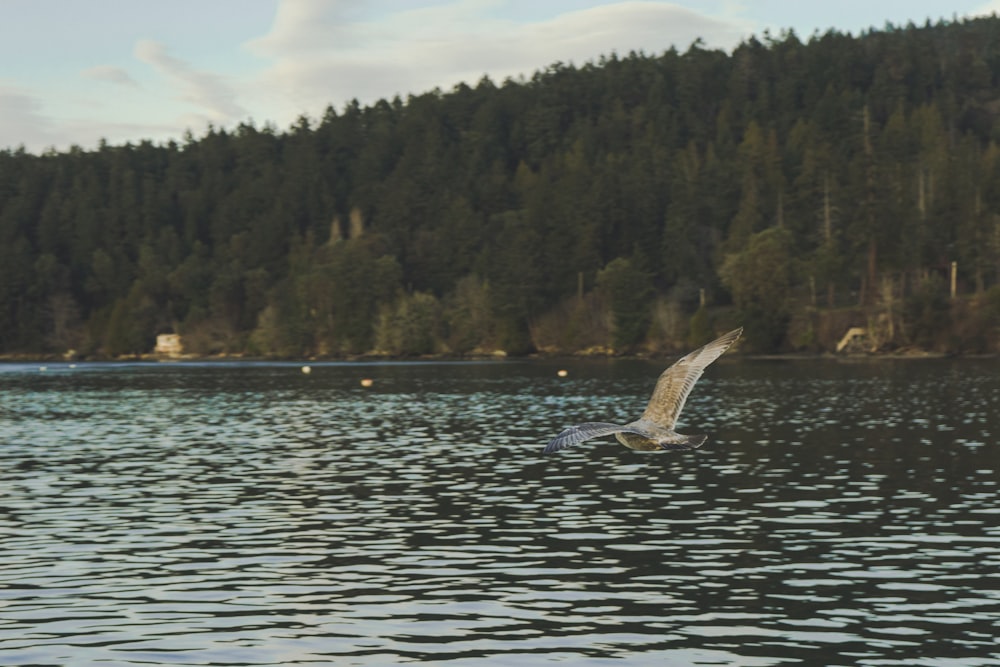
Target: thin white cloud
<point x="209" y="92"/>
<point x="26" y="121"/>
<point x="23" y="122"/>
<point x="987" y="9"/>
<point x="320" y="52"/>
<point x="110" y="74"/>
<point x="324" y="51"/>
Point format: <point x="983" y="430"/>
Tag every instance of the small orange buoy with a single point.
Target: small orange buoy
<point x="562" y="372"/>
<point x="367" y="382"/>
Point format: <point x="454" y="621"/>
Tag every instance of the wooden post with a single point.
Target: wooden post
<point x="954" y="275"/>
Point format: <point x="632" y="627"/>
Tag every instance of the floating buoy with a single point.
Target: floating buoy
<point x="367" y="382"/>
<point x="562" y="372"/>
<point x="43" y="368"/>
<point x="307" y="369"/>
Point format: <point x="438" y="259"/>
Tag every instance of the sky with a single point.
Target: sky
<point x="74" y="72"/>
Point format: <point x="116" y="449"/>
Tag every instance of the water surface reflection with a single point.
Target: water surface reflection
<point x="247" y="514"/>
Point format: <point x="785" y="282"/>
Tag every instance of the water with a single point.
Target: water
<point x="249" y="514"/>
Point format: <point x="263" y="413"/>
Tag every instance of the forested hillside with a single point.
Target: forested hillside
<point x="785" y="186"/>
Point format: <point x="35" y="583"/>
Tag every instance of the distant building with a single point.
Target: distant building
<point x="169" y="345"/>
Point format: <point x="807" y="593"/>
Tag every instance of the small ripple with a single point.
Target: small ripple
<point x="236" y="514"/>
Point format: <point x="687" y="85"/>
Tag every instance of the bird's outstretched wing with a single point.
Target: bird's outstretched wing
<point x="577" y="434"/>
<point x="676" y="382"/>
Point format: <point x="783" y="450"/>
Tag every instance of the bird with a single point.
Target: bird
<point x="654" y="430"/>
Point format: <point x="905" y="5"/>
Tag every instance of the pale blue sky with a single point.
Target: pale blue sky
<point x="76" y="71"/>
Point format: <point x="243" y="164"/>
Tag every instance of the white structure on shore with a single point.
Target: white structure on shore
<point x="169" y="345"/>
<point x="855" y="339"/>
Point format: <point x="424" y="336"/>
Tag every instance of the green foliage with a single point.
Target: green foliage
<point x="329" y="301"/>
<point x="125" y="333"/>
<point x="926" y="313"/>
<point x="629" y="290"/>
<point x="469" y="317"/>
<point x="411" y="326"/>
<point x="699" y="329"/>
<point x="759" y="277"/>
<point x="788" y="172"/>
<point x="991" y="303"/>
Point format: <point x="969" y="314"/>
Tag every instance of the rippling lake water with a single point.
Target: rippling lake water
<point x="250" y="514"/>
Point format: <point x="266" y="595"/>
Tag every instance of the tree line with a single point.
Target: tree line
<point x="631" y="203"/>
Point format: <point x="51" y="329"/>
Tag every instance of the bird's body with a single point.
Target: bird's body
<point x="654" y="430"/>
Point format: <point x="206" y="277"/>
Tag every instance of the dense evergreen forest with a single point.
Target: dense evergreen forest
<point x="630" y="204"/>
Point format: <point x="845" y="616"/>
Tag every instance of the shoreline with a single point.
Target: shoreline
<point x="903" y="355"/>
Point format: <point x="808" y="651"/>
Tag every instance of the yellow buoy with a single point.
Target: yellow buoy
<point x="562" y="372"/>
<point x="307" y="369"/>
<point x="367" y="382"/>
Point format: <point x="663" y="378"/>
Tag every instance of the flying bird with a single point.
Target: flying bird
<point x="654" y="430"/>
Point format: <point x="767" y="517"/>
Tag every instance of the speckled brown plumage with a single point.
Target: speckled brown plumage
<point x="654" y="430"/>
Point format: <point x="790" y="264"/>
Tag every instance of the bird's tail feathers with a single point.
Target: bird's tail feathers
<point x="687" y="442"/>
